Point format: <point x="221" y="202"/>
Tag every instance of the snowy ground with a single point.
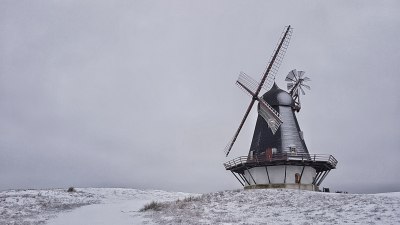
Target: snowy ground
<point x="96" y="206"/>
<point x="25" y="207"/>
<point x="281" y="207"/>
<point x="86" y="206"/>
<point x="118" y="207"/>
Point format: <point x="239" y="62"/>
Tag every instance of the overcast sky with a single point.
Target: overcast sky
<point x="142" y="94"/>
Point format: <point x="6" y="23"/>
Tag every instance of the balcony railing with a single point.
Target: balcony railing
<point x="265" y="159"/>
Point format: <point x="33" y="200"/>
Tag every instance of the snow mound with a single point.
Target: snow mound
<point x="54" y="206"/>
<point x="280" y="206"/>
<point x="37" y="206"/>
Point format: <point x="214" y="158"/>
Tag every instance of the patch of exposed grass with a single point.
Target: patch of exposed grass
<point x="154" y="205"/>
<point x="191" y="199"/>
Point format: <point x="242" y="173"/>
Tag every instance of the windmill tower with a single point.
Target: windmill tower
<point x="278" y="156"/>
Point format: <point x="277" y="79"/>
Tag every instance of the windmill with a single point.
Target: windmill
<point x="278" y="155"/>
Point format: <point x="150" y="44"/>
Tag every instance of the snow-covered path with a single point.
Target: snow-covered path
<point x="88" y="206"/>
<point x="122" y="213"/>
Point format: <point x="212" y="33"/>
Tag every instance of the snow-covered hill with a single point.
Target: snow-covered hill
<point x="281" y="206"/>
<point x="121" y="206"/>
<point x="36" y="206"/>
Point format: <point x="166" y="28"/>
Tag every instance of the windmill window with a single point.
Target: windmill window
<point x="292" y="149"/>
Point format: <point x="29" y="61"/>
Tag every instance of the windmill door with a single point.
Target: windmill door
<point x="269" y="153"/>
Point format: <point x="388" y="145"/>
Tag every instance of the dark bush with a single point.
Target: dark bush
<point x="71" y="189"/>
<point x="156" y="206"/>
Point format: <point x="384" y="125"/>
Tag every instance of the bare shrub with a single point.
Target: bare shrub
<point x="191" y="199"/>
<point x="156" y="206"/>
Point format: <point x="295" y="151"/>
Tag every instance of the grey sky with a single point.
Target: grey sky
<point x="141" y="93"/>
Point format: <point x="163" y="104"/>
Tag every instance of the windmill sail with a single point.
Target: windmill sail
<point x="247" y="83"/>
<point x="276" y="61"/>
<point x="270" y="115"/>
<point x="267" y="79"/>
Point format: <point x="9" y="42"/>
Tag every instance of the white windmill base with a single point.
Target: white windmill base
<point x="282" y="176"/>
<point x="284" y="170"/>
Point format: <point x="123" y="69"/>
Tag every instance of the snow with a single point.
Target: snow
<point x="85" y="206"/>
<point x="36" y="206"/>
<point x="118" y="206"/>
<point x="112" y="213"/>
<point x="281" y="206"/>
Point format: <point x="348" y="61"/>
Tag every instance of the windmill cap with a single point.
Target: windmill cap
<point x="278" y="97"/>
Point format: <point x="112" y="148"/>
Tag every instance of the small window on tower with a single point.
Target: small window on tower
<point x="292" y="149"/>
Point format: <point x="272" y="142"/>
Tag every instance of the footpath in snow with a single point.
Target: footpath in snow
<point x="118" y="206"/>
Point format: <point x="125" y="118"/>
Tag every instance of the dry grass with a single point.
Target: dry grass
<point x="156" y="206"/>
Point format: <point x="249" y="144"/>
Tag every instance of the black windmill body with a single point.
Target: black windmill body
<point x="288" y="137"/>
<point x="278" y="156"/>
